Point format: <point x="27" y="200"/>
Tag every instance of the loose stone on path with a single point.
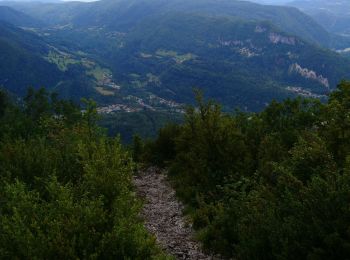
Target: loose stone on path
<point x="163" y="217"/>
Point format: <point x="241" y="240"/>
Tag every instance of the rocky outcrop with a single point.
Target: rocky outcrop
<point x="260" y="29"/>
<point x="163" y="217"/>
<point x="304" y="92"/>
<point x="276" y="38"/>
<point x="230" y="43"/>
<point x="309" y="74"/>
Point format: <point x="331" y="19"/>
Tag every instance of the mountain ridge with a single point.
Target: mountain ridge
<point x="123" y="14"/>
<point x="12" y="16"/>
<point x="133" y="52"/>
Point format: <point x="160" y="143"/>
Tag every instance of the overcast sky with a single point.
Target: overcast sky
<point x="272" y="1"/>
<point x="80" y="0"/>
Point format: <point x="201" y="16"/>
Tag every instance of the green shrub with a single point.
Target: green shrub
<point x="271" y="185"/>
<point x="66" y="189"/>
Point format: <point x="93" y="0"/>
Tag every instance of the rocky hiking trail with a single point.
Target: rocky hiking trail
<point x="163" y="216"/>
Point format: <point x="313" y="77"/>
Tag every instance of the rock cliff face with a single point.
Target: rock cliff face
<point x="163" y="216"/>
<point x="276" y="38"/>
<point x="309" y="74"/>
<point x="226" y="43"/>
<point x="260" y="29"/>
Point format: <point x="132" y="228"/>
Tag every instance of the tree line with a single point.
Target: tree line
<point x="268" y="185"/>
<point x="65" y="187"/>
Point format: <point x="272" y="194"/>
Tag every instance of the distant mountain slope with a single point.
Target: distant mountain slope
<point x="124" y="14"/>
<point x="17" y="18"/>
<point x="21" y="62"/>
<point x="240" y="63"/>
<point x="51" y="13"/>
<point x="332" y="15"/>
<point x="25" y="61"/>
<point x="32" y="1"/>
<point x="152" y="53"/>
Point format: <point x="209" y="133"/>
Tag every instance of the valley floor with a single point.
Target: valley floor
<point x="163" y="216"/>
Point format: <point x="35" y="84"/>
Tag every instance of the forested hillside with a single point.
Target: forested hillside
<point x="268" y="185"/>
<point x="27" y="60"/>
<point x="21" y="62"/>
<point x="140" y="60"/>
<point x="149" y="55"/>
<point x="332" y="15"/>
<point x="123" y="15"/>
<point x="239" y="63"/>
<point x="174" y="129"/>
<point x="65" y="188"/>
<point x="132" y="56"/>
<point x="14" y="17"/>
<point x="272" y="185"/>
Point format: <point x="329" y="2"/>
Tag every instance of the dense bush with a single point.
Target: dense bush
<point x="65" y="188"/>
<point x="272" y="185"/>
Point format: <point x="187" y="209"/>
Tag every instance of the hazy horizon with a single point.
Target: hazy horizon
<point x="256" y="1"/>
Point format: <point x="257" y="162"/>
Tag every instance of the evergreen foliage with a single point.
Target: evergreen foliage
<point x="272" y="185"/>
<point x="65" y="188"/>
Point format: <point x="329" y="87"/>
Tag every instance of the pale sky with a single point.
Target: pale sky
<point x="79" y="0"/>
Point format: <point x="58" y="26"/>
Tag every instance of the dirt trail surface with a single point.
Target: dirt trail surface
<point x="163" y="216"/>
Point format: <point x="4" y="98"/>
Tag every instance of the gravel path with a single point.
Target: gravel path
<point x="163" y="216"/>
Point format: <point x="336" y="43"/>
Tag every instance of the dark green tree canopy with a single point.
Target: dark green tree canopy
<point x="271" y="185"/>
<point x="65" y="188"/>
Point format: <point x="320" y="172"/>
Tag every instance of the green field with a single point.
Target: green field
<point x="61" y="60"/>
<point x="177" y="57"/>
